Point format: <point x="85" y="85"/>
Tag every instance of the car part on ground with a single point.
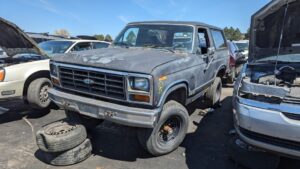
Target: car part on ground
<point x="131" y="82"/>
<point x="88" y="122"/>
<point x="249" y="157"/>
<point x="60" y="136"/>
<point x="169" y="132"/>
<point x="69" y="157"/>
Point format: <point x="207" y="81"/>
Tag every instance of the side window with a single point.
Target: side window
<point x="130" y="36"/>
<point x="218" y="39"/>
<point x="203" y="40"/>
<point x="82" y="46"/>
<point x="98" y="45"/>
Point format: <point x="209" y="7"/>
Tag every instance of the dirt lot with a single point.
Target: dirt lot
<point x="116" y="147"/>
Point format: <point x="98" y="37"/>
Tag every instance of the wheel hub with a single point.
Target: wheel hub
<point x="169" y="130"/>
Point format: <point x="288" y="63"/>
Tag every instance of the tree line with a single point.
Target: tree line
<point x="235" y="34"/>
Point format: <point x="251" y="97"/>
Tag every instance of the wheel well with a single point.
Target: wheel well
<point x="36" y="75"/>
<point x="179" y="95"/>
<point x="222" y="72"/>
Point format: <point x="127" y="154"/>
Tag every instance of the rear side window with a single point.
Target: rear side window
<point x="218" y="39"/>
<point x="98" y="45"/>
<point x="82" y="46"/>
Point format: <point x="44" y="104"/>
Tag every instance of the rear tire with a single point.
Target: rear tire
<point x="88" y="122"/>
<point x="168" y="133"/>
<point x="213" y="94"/>
<point x="37" y="93"/>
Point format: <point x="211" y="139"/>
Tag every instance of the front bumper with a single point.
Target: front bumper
<point x="129" y="116"/>
<point x="10" y="90"/>
<point x="265" y="126"/>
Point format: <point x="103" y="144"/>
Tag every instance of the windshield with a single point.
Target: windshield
<point x="55" y="47"/>
<point x="172" y="37"/>
<point x="242" y="46"/>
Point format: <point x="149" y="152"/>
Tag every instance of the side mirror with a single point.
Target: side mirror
<point x="211" y="51"/>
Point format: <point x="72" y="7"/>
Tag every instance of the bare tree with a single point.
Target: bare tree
<point x="62" y="32"/>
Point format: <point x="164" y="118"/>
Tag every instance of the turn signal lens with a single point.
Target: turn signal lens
<point x="2" y="75"/>
<point x="55" y="81"/>
<point x="140" y="98"/>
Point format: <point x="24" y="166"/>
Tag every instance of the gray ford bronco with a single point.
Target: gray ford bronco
<point x="144" y="80"/>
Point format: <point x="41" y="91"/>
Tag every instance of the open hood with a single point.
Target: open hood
<point x="14" y="42"/>
<point x="267" y="25"/>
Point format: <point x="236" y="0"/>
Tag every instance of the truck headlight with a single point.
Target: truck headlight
<point x="2" y="75"/>
<point x="139" y="83"/>
<point x="53" y="70"/>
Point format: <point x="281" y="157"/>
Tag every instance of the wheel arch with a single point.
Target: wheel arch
<point x="32" y="77"/>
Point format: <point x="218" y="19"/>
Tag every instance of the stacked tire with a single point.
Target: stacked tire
<point x="63" y="143"/>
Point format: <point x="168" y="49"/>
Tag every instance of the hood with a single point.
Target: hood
<point x="14" y="42"/>
<point x="267" y="25"/>
<point x="138" y="60"/>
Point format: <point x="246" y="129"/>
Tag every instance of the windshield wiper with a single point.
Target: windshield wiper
<point x="158" y="47"/>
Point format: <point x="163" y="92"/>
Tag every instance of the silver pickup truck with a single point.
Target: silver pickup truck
<point x="152" y="71"/>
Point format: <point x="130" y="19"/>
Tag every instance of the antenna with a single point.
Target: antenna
<point x="280" y="42"/>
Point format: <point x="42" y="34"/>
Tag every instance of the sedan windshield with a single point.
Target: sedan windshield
<point x="242" y="46"/>
<point x="170" y="37"/>
<point x="55" y="47"/>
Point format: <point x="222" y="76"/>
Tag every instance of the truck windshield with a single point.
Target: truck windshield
<point x="172" y="37"/>
<point x="55" y="47"/>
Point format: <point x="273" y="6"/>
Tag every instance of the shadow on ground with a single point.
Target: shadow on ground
<point x="18" y="110"/>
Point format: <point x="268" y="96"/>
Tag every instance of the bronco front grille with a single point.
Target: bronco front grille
<point x="93" y="83"/>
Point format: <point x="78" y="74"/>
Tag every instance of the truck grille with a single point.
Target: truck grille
<point x="94" y="83"/>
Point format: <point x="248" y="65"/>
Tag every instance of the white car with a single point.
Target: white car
<point x="71" y="45"/>
<point x="243" y="46"/>
<point x="24" y="68"/>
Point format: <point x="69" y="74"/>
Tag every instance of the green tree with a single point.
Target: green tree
<point x="99" y="37"/>
<point x="233" y="34"/>
<point x="108" y="38"/>
<point x="247" y="35"/>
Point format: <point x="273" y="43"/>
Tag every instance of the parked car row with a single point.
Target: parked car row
<point x="153" y="70"/>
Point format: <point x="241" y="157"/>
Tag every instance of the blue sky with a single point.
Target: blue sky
<point x="91" y="17"/>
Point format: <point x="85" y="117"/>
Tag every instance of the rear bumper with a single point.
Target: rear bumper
<point x="129" y="116"/>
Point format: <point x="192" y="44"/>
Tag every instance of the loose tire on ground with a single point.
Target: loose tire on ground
<point x="69" y="157"/>
<point x="60" y="136"/>
<point x="37" y="93"/>
<point x="213" y="94"/>
<point x="251" y="159"/>
<point x="88" y="122"/>
<point x="160" y="140"/>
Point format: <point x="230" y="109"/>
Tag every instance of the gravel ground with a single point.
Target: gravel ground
<point x="116" y="147"/>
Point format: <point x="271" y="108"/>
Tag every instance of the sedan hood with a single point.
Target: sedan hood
<point x="138" y="60"/>
<point x="14" y="42"/>
<point x="267" y="25"/>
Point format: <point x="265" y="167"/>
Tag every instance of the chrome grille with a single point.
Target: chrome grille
<point x="93" y="83"/>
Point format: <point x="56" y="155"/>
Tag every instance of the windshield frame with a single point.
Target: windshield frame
<point x="71" y="44"/>
<point x="192" y="50"/>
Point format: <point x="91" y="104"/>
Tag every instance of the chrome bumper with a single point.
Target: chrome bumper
<point x="129" y="116"/>
<point x="270" y="128"/>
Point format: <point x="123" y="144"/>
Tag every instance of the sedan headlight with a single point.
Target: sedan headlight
<point x="53" y="70"/>
<point x="139" y="84"/>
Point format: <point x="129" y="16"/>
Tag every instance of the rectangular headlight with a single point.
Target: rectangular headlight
<point x="139" y="84"/>
<point x="53" y="69"/>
